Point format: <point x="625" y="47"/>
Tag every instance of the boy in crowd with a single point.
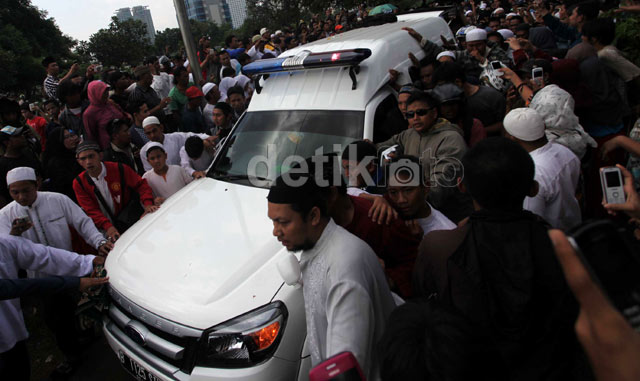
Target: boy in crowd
<point x="165" y="180"/>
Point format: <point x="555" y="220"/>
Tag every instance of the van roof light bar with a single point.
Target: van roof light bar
<point x="307" y="60"/>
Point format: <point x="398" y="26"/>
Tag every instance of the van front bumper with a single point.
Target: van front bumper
<point x="272" y="369"/>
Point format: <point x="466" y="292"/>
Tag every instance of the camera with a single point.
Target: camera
<point x="404" y="173"/>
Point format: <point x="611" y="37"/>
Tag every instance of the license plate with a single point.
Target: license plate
<point x="136" y="369"/>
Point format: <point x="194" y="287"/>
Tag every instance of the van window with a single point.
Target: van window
<point x="297" y="132"/>
<point x="388" y="120"/>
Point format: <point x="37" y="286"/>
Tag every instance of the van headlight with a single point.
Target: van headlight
<point x="245" y="340"/>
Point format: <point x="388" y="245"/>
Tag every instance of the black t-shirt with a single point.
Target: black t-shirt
<point x="9" y="163"/>
<point x="488" y="105"/>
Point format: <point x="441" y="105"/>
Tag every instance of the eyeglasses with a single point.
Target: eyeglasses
<point x="419" y="112"/>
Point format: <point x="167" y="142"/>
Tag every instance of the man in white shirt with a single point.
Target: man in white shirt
<point x="171" y="142"/>
<point x="347" y="300"/>
<point x="45" y="217"/>
<point x="212" y="96"/>
<point x="164" y="180"/>
<point x="557" y="170"/>
<point x="20" y="253"/>
<point x="407" y="191"/>
<point x="196" y="156"/>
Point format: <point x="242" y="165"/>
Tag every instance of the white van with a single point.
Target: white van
<point x="196" y="293"/>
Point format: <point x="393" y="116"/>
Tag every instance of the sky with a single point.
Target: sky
<point x="80" y="19"/>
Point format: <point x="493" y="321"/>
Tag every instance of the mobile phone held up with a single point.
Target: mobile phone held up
<point x="611" y="259"/>
<point x="536" y="75"/>
<point x="612" y="185"/>
<point x="341" y="367"/>
<point x="495" y="65"/>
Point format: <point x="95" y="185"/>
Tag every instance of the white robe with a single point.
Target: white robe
<point x="51" y="215"/>
<point x="165" y="186"/>
<point x="17" y="253"/>
<point x="346" y="298"/>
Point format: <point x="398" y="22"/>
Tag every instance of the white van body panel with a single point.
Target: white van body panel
<point x="206" y="256"/>
<point x="330" y="88"/>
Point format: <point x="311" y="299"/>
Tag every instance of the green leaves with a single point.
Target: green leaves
<point x="122" y="43"/>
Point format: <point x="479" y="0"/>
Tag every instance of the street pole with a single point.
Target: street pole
<point x="189" y="44"/>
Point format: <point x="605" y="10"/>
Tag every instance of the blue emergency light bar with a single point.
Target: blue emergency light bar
<point x="307" y="60"/>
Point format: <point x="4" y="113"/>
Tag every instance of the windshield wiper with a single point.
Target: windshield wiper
<point x="232" y="177"/>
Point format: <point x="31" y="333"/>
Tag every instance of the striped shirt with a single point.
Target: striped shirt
<point x="51" y="87"/>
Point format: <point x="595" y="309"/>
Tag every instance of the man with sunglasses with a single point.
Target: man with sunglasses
<point x="440" y="147"/>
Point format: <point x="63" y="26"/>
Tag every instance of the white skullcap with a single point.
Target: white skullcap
<point x="149" y="121"/>
<point x="498" y="10"/>
<point x="278" y="32"/>
<point x="446" y="53"/>
<point x="154" y="144"/>
<point x="506" y="33"/>
<point x="524" y="124"/>
<point x="467" y="13"/>
<point x="263" y="31"/>
<point x="20" y="174"/>
<point x="511" y="15"/>
<point x="208" y="87"/>
<point x="476" y="35"/>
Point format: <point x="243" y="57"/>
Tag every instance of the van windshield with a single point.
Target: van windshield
<point x="266" y="144"/>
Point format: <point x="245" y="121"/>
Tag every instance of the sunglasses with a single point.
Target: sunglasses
<point x="419" y="112"/>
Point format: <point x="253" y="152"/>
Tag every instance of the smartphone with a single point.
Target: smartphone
<point x="495" y="65"/>
<point x="98" y="68"/>
<point x="609" y="257"/>
<point x="612" y="185"/>
<point x="32" y="106"/>
<point x="341" y="367"/>
<point x="22" y="220"/>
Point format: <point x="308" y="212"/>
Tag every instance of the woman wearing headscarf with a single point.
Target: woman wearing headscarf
<point x="59" y="159"/>
<point x="99" y="113"/>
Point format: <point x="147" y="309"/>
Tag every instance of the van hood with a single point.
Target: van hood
<point x="206" y="256"/>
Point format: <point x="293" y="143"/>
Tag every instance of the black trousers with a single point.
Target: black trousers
<point x="14" y="363"/>
<point x="59" y="315"/>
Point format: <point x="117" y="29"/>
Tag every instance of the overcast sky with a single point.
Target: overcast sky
<point x="80" y="19"/>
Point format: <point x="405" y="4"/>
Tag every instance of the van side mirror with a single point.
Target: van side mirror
<point x="289" y="269"/>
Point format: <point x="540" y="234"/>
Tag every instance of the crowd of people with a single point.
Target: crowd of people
<point x="506" y="126"/>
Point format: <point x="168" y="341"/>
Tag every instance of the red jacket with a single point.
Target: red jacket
<point x="89" y="202"/>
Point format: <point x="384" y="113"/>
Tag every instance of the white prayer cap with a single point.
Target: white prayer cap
<point x="506" y="33"/>
<point x="150" y="145"/>
<point x="467" y="13"/>
<point x="149" y="121"/>
<point x="446" y="53"/>
<point x="263" y="31"/>
<point x="524" y="124"/>
<point x="476" y="35"/>
<point x="509" y="15"/>
<point x="278" y="32"/>
<point x="208" y="87"/>
<point x="498" y="10"/>
<point x="20" y="174"/>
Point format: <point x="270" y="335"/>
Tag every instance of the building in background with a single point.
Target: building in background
<point x="238" y="10"/>
<point x="215" y="11"/>
<point x="123" y="14"/>
<point x="196" y="10"/>
<point x="141" y="13"/>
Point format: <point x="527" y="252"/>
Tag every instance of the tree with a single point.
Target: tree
<point x="122" y="43"/>
<point x="26" y="36"/>
<point x="168" y="41"/>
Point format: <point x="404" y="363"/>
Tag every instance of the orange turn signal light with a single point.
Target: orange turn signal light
<point x="264" y="337"/>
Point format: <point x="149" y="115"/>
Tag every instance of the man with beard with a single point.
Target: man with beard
<point x="347" y="300"/>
